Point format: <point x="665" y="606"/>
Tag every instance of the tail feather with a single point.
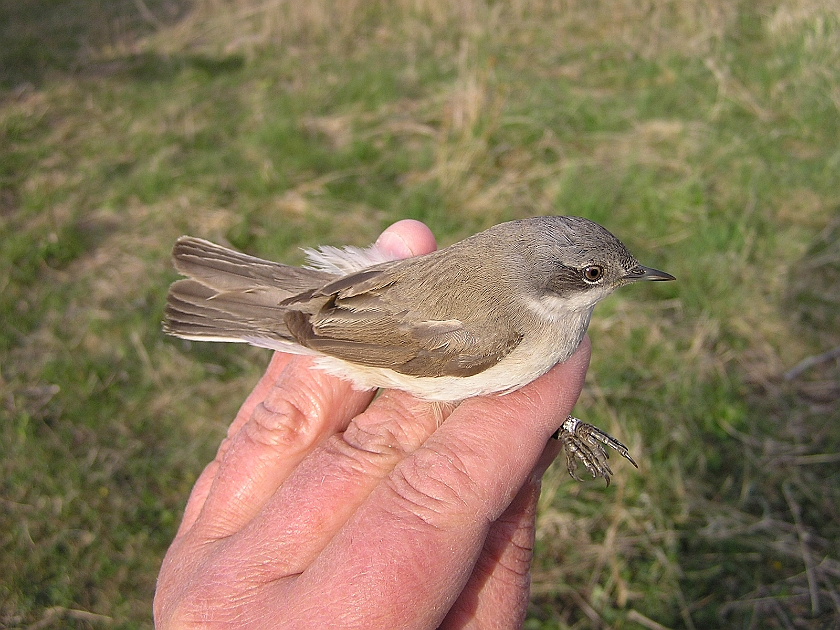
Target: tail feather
<point x="231" y="296"/>
<point x="224" y="269"/>
<point x="192" y="297"/>
<point x="194" y="311"/>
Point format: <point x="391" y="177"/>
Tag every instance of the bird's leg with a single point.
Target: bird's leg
<point x="584" y="442"/>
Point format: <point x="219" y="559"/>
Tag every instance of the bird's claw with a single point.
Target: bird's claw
<point x="585" y="442"/>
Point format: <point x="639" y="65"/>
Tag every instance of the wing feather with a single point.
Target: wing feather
<point x="355" y="321"/>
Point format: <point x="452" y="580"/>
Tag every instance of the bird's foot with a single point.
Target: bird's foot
<point x="585" y="442"/>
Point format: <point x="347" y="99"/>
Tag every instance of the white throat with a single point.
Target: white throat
<point x="553" y="308"/>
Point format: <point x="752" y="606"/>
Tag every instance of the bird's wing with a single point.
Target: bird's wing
<point x="369" y="319"/>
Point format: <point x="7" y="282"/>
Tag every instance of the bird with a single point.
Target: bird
<point x="486" y="315"/>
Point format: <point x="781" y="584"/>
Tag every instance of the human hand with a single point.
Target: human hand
<point x="325" y="508"/>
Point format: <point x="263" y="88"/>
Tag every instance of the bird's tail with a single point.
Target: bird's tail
<point x="230" y="296"/>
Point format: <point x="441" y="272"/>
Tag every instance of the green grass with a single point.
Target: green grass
<point x="704" y="135"/>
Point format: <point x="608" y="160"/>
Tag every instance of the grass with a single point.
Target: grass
<point x="703" y="134"/>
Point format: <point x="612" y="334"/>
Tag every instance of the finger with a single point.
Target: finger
<point x="223" y="476"/>
<point x="308" y="508"/>
<point x="496" y="594"/>
<point x="407" y="238"/>
<point x="327" y="487"/>
<point x="278" y="363"/>
<point x="198" y="496"/>
<point x="304" y="407"/>
<point x="416" y="538"/>
<point x="498" y="591"/>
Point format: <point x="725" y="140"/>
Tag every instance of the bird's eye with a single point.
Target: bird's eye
<point x="593" y="273"/>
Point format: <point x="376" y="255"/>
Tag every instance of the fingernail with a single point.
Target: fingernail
<point x="394" y="244"/>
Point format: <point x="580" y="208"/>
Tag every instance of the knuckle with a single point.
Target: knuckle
<point x="436" y="486"/>
<point x="516" y="564"/>
<point x="511" y="554"/>
<point x="219" y="594"/>
<point x="364" y="452"/>
<point x="283" y="425"/>
<point x="382" y="438"/>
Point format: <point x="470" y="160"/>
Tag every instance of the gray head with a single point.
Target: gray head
<point x="576" y="259"/>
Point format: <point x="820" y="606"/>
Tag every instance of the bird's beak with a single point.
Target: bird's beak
<point x="646" y="273"/>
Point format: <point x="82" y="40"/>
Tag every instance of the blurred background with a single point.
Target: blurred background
<point x="705" y="134"/>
